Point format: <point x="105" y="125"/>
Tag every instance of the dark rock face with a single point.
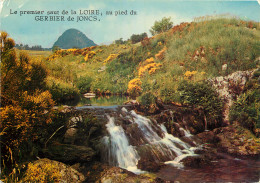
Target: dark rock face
<point x="73" y="38"/>
<point x="68" y="153"/>
<point x="148" y="165"/>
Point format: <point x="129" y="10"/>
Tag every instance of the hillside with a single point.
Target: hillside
<point x="188" y="52"/>
<point x="73" y="38"/>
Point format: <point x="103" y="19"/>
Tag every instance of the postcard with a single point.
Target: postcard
<point x="130" y="91"/>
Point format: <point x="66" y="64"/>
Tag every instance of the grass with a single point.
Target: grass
<point x="201" y="47"/>
<point x="34" y="53"/>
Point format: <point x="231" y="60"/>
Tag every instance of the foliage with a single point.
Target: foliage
<point x="217" y="42"/>
<point x="25" y="106"/>
<point x="84" y="84"/>
<point x="150" y="66"/>
<point x="55" y="48"/>
<point x="135" y="38"/>
<point x="161" y="26"/>
<point x="134" y="87"/>
<point x="202" y="95"/>
<point x="61" y="91"/>
<point x="110" y="58"/>
<point x="246" y="110"/>
<point x="120" y="41"/>
<point x="147" y="99"/>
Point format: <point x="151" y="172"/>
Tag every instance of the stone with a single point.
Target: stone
<point x="118" y="175"/>
<point x="67" y="173"/>
<point x="69" y="153"/>
<point x="70" y="135"/>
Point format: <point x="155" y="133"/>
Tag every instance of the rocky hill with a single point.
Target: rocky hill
<point x="73" y="38"/>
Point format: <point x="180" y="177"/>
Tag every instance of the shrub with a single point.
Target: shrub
<point x="135" y="38"/>
<point x="246" y="110"/>
<point x="61" y="91"/>
<point x="24" y="110"/>
<point x="202" y="95"/>
<point x="84" y="84"/>
<point x="147" y="99"/>
<point x="161" y="26"/>
<point x="134" y="87"/>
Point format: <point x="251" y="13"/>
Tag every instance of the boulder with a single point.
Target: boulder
<point x="119" y="175"/>
<point x="70" y="135"/>
<point x="147" y="165"/>
<point x="54" y="169"/>
<point x="70" y="153"/>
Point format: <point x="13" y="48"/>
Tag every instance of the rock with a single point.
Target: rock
<point x="229" y="87"/>
<point x="132" y="102"/>
<point x="70" y="153"/>
<point x="147" y="165"/>
<point x="70" y="135"/>
<point x="118" y="175"/>
<point x="207" y="137"/>
<point x="65" y="173"/>
<point x="195" y="161"/>
<point x="236" y="141"/>
<point x="224" y="67"/>
<point x="89" y="95"/>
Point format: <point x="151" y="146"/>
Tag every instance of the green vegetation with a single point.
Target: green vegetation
<point x="202" y="95"/>
<point x="24" y="103"/>
<point x="189" y="51"/>
<point x="161" y="26"/>
<point x="135" y="38"/>
<point x="246" y="110"/>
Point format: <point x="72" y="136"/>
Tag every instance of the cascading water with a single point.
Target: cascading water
<point x="120" y="152"/>
<point x="142" y="138"/>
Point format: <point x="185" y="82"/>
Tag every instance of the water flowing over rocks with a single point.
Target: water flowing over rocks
<point x="150" y="143"/>
<point x="130" y="144"/>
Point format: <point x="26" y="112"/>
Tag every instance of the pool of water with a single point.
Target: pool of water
<point x="112" y="100"/>
<point x="224" y="170"/>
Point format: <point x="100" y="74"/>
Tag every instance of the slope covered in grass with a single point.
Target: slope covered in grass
<point x="188" y="52"/>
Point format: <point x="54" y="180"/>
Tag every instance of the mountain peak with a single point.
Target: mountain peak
<point x="73" y="38"/>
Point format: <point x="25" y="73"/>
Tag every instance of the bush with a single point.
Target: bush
<point x="84" y="84"/>
<point x="61" y="91"/>
<point x="135" y="38"/>
<point x="147" y="99"/>
<point x="246" y="110"/>
<point x="134" y="87"/>
<point x="161" y="26"/>
<point x="26" y="108"/>
<point x="202" y="95"/>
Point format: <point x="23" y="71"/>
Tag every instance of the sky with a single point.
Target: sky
<point x="25" y="29"/>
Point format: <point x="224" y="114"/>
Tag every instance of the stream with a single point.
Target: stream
<point x="135" y="142"/>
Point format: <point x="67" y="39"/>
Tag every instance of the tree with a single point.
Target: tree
<point x="161" y="26"/>
<point x="135" y="38"/>
<point x="119" y="41"/>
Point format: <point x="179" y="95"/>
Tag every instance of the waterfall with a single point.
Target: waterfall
<point x="120" y="150"/>
<point x="151" y="140"/>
